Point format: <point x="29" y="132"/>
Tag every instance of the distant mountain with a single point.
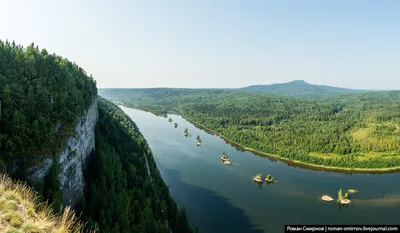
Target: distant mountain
<point x="299" y="88"/>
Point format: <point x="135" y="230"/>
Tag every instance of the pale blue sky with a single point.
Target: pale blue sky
<point x="216" y="43"/>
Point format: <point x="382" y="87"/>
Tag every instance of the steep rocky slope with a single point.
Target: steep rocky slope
<point x="72" y="158"/>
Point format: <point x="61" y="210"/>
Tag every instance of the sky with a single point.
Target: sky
<point x="216" y="43"/>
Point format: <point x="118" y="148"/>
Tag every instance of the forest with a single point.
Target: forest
<point x="352" y="130"/>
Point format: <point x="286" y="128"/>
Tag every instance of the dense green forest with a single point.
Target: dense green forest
<point x="126" y="192"/>
<point x="299" y="89"/>
<point x="41" y="96"/>
<point x="356" y="130"/>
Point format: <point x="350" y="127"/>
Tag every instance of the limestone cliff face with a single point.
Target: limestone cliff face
<point x="72" y="158"/>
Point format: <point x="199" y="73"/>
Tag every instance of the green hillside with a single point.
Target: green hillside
<point x="38" y="91"/>
<point x="349" y="131"/>
<point x="299" y="89"/>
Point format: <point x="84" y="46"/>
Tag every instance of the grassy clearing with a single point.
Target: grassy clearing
<point x="21" y="212"/>
<point x="362" y="133"/>
<point x="376" y="134"/>
<point x="323" y="155"/>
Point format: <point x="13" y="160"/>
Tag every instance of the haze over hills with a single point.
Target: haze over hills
<point x="300" y="88"/>
<point x="296" y="88"/>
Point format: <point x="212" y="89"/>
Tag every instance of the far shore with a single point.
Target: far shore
<point x="285" y="160"/>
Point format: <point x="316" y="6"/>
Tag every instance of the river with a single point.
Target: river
<point x="221" y="198"/>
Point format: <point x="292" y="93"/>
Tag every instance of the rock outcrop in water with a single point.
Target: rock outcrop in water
<point x="326" y="198"/>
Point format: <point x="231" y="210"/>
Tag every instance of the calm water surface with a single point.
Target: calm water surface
<point x="220" y="198"/>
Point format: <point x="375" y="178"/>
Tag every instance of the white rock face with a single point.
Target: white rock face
<point x="73" y="158"/>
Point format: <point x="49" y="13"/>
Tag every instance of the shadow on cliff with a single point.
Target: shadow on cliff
<point x="206" y="209"/>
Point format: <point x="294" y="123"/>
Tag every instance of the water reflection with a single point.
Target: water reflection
<point x="207" y="206"/>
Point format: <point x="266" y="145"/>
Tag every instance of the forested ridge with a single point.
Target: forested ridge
<point x="123" y="195"/>
<point x="357" y="130"/>
<point x="300" y="89"/>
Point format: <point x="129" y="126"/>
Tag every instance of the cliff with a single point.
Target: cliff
<point x="72" y="158"/>
<point x="74" y="147"/>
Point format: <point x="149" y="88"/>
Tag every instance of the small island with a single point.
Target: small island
<point x="342" y="199"/>
<point x="227" y="162"/>
<point x="198" y="140"/>
<point x="352" y="191"/>
<point x="186" y="132"/>
<point x="270" y="178"/>
<point x="225" y="158"/>
<point x="326" y="198"/>
<point x="170" y="120"/>
<point x="176" y="125"/>
<point x="258" y="178"/>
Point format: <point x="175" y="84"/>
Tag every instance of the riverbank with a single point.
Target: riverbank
<point x="282" y="159"/>
<point x="294" y="162"/>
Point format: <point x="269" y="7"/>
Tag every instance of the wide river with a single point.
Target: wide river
<point x="221" y="198"/>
